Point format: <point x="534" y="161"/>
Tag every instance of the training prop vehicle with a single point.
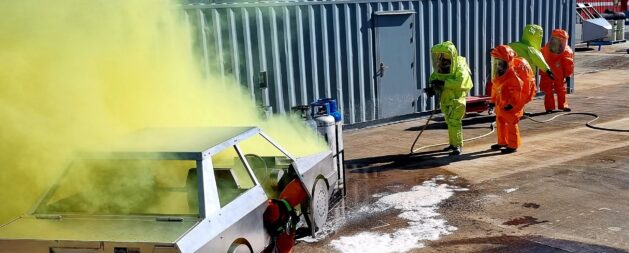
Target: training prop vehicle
<point x="173" y="190"/>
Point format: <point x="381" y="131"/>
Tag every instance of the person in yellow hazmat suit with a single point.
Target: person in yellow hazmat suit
<point x="450" y="81"/>
<point x="529" y="47"/>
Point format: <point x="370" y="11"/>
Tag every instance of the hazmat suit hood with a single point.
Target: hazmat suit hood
<point x="447" y="49"/>
<point x="502" y="53"/>
<point x="558" y="41"/>
<point x="533" y="36"/>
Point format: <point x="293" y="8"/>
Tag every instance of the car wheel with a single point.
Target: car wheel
<point x="320" y="200"/>
<point x="239" y="248"/>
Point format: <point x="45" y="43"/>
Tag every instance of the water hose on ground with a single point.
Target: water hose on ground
<point x="528" y="116"/>
<point x="413" y="149"/>
<point x="588" y="124"/>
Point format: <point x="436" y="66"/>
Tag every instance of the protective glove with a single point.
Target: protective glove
<point x="508" y="107"/>
<point x="430" y="91"/>
<point x="550" y="74"/>
<point x="437" y="83"/>
<point x="567" y="79"/>
<point x="491" y="108"/>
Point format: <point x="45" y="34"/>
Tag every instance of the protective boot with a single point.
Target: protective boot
<point x="456" y="151"/>
<point x="448" y="148"/>
<point x="509" y="150"/>
<point x="497" y="146"/>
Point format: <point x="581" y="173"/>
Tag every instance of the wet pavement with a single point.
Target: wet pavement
<point x="565" y="190"/>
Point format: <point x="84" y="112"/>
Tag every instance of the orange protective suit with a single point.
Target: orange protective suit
<point x="560" y="58"/>
<point x="280" y="218"/>
<point x="512" y="89"/>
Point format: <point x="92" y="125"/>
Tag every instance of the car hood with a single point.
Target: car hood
<point x="147" y="230"/>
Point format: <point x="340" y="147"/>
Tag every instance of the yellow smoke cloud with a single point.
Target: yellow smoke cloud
<point x="75" y="74"/>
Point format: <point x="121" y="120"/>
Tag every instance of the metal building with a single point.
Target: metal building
<point x="370" y="55"/>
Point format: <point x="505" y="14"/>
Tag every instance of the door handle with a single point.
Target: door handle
<point x="381" y="69"/>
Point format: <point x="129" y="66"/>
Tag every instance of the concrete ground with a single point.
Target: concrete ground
<point x="565" y="190"/>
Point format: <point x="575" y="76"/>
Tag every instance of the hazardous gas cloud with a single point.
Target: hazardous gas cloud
<point x="75" y="74"/>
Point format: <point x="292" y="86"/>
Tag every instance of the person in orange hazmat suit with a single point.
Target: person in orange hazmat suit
<point x="280" y="217"/>
<point x="560" y="58"/>
<point x="513" y="87"/>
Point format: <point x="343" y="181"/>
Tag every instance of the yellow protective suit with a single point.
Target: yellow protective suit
<point x="456" y="82"/>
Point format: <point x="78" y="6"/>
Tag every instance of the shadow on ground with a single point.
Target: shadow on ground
<point x="584" y="49"/>
<point x="474" y="119"/>
<point x="525" y="244"/>
<point x="416" y="161"/>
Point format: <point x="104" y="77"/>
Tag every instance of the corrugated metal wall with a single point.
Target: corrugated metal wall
<point x="322" y="49"/>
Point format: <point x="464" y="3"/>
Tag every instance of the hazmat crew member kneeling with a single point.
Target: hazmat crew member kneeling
<point x="561" y="60"/>
<point x="513" y="87"/>
<point x="450" y="81"/>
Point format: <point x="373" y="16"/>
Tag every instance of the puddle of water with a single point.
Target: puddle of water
<point x="418" y="206"/>
<point x="525" y="220"/>
<point x="531" y="205"/>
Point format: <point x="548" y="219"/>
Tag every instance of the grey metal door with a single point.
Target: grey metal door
<point x="395" y="63"/>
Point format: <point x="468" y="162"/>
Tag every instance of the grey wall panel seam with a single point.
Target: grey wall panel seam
<point x="288" y="53"/>
<point x="350" y="65"/>
<point x="248" y="52"/>
<point x="301" y="56"/>
<point x="338" y="60"/>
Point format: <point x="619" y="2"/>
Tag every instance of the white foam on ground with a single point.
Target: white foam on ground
<point x="332" y="225"/>
<point x="510" y="190"/>
<point x="378" y="195"/>
<point x="418" y="206"/>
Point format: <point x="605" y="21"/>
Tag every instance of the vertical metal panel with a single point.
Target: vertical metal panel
<point x="234" y="46"/>
<point x="337" y="57"/>
<point x="448" y="20"/>
<point x="288" y="52"/>
<point x="422" y="59"/>
<point x="277" y="65"/>
<point x="350" y="65"/>
<point x="333" y="44"/>
<point x="302" y="60"/>
<point x="467" y="29"/>
<point x="459" y="24"/>
<point x="246" y="27"/>
<point x="361" y="60"/>
<point x="371" y="64"/>
<point x="204" y="41"/>
<point x="484" y="47"/>
<point x="218" y="41"/>
<point x="262" y="52"/>
<point x="313" y="53"/>
<point x="474" y="49"/>
<point x="326" y="53"/>
<point x="430" y="36"/>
